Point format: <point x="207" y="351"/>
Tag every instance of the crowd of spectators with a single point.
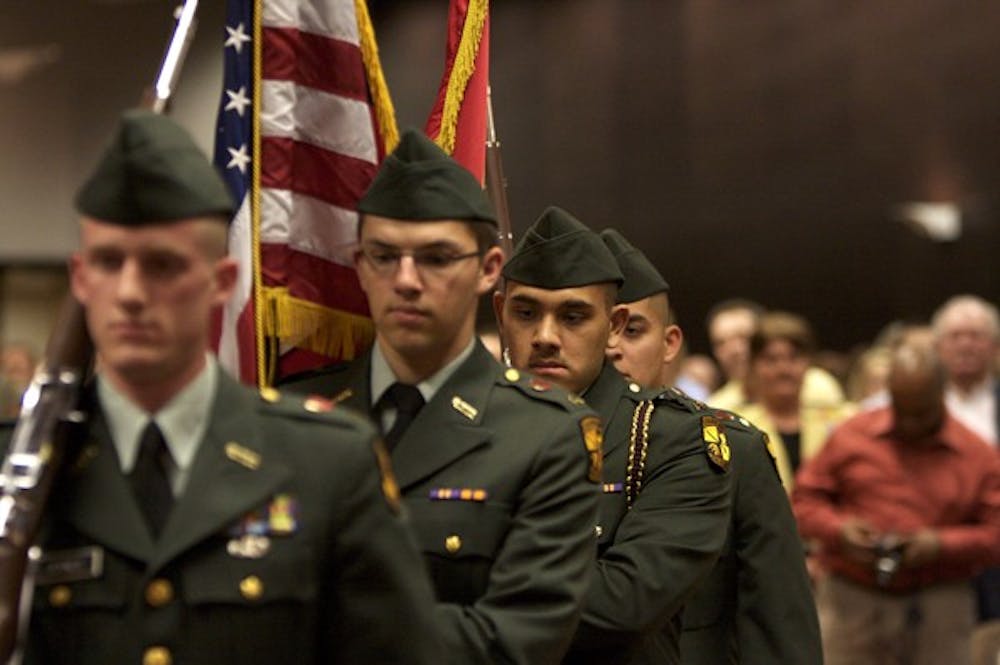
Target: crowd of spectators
<point x="891" y="462"/>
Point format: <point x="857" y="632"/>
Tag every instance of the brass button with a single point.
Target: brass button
<point x="60" y="596"/>
<point x="157" y="656"/>
<point x="452" y="543"/>
<point x="512" y="375"/>
<point x="598" y="531"/>
<point x="634" y="387"/>
<point x="159" y="592"/>
<point x="251" y="587"/>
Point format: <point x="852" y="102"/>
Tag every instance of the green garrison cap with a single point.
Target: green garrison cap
<point x="559" y="252"/>
<point x="418" y="182"/>
<point x="152" y="173"/>
<point x="642" y="279"/>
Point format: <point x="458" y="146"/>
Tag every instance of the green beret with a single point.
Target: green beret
<point x="152" y="173"/>
<point x="418" y="181"/>
<point x="642" y="279"/>
<point x="559" y="252"/>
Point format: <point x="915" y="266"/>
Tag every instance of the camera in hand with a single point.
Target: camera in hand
<point x="888" y="557"/>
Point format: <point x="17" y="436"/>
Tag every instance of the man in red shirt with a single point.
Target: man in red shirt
<point x="905" y="505"/>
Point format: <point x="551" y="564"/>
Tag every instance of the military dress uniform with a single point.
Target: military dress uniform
<point x="274" y="538"/>
<point x="494" y="474"/>
<point x="282" y="548"/>
<point x="658" y="538"/>
<point x="756" y="607"/>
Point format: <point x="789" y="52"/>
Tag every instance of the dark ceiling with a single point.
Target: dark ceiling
<point x="751" y="149"/>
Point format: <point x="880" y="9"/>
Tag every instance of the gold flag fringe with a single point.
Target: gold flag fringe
<point x="385" y="112"/>
<point x="461" y="72"/>
<point x="308" y="325"/>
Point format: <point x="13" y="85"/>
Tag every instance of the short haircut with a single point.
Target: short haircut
<point x="732" y="305"/>
<point x="783" y="326"/>
<point x="966" y="301"/>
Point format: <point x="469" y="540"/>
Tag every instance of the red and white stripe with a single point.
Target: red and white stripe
<point x="319" y="152"/>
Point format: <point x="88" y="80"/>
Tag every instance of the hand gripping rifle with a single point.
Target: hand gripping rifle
<point x="48" y="429"/>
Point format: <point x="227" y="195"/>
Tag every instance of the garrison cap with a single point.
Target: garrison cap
<point x="419" y="182"/>
<point x="642" y="279"/>
<point x="559" y="252"/>
<point x="153" y="173"/>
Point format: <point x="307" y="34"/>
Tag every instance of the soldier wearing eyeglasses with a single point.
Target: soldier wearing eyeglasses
<point x="499" y="470"/>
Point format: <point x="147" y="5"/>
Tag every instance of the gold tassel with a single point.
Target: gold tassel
<point x="385" y="112"/>
<point x="320" y="329"/>
<point x="461" y="72"/>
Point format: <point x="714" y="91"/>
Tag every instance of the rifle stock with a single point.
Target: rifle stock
<point x="48" y="426"/>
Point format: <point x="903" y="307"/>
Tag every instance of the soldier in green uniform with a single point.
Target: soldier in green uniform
<point x="665" y="505"/>
<point x="202" y="522"/>
<point x="497" y="468"/>
<point x="756" y="607"/>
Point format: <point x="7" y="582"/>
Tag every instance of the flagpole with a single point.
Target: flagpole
<point x="496" y="183"/>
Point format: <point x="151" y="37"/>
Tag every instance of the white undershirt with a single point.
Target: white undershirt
<point x="976" y="409"/>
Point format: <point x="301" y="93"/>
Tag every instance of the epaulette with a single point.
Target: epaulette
<point x="541" y="389"/>
<point x="313" y="407"/>
<point x="314" y="373"/>
<point x="678" y="398"/>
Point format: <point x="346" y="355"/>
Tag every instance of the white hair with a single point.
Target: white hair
<point x="966" y="302"/>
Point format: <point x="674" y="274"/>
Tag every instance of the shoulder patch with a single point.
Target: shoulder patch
<point x="390" y="488"/>
<point x="593" y="440"/>
<point x="716" y="443"/>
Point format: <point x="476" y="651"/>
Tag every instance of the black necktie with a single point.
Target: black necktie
<point x="408" y="401"/>
<point x="149" y="481"/>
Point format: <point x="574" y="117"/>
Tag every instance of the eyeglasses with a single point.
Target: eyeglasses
<point x="386" y="260"/>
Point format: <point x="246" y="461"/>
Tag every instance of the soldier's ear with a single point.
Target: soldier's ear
<point x="491" y="266"/>
<point x="673" y="340"/>
<point x="619" y="317"/>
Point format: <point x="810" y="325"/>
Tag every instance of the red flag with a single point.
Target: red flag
<point x="458" y="120"/>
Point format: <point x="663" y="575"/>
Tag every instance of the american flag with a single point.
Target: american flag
<point x="297" y="181"/>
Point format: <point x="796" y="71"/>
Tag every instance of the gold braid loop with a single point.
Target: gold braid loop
<point x="637" y="447"/>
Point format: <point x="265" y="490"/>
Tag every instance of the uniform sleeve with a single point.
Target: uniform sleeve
<point x="381" y="598"/>
<point x="776" y="618"/>
<point x="666" y="543"/>
<point x="539" y="575"/>
<point x="814" y="498"/>
<point x="977" y="543"/>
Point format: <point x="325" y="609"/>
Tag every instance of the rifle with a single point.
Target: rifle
<point x="49" y="425"/>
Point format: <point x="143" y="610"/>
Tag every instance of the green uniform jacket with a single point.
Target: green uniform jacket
<point x="650" y="557"/>
<point x="756" y="607"/>
<point x="510" y="571"/>
<point x="338" y="581"/>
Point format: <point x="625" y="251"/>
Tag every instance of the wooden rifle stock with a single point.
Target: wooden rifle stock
<point x="47" y="430"/>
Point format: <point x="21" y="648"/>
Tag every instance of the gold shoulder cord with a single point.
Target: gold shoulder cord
<point x="637" y="445"/>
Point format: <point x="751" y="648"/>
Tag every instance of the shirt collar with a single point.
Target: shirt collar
<point x="183" y="420"/>
<point x="382" y="375"/>
<point x="883" y="423"/>
<point x="981" y="390"/>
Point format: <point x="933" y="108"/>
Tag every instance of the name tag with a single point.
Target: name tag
<point x="72" y="565"/>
